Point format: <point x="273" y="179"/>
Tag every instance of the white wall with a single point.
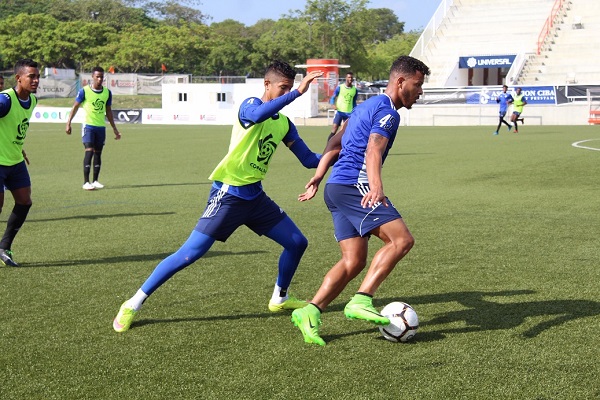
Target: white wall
<point x="199" y="103"/>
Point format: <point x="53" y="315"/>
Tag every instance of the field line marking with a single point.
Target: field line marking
<point x="578" y="145"/>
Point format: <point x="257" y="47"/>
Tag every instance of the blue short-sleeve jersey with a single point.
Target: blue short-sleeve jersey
<point x="376" y="115"/>
<point x="504" y="99"/>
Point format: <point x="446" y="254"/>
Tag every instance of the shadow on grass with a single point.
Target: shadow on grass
<point x="482" y="314"/>
<point x="409" y="154"/>
<point x="100" y="216"/>
<point x="118" y="187"/>
<point x="479" y="315"/>
<point x="128" y="258"/>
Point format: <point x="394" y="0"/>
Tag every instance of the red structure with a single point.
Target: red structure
<point x="331" y="69"/>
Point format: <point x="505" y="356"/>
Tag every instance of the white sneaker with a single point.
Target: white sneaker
<point x="97" y="185"/>
<point x="88" y="186"/>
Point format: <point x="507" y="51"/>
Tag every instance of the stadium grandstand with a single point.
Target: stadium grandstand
<point x="547" y="47"/>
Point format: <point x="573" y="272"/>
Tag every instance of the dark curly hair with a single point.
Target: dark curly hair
<point x="409" y="65"/>
<point x="282" y="69"/>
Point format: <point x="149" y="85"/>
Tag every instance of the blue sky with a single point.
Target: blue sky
<point x="415" y="13"/>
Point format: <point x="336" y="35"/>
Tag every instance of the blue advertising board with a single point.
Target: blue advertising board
<point x="533" y="95"/>
<point x="502" y="61"/>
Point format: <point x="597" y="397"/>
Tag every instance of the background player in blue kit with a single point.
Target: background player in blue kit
<point x="355" y="197"/>
<point x="237" y="197"/>
<point x="503" y="99"/>
<point x="96" y="100"/>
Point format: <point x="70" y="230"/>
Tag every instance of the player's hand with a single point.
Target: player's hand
<point x="25" y="156"/>
<point x="308" y="79"/>
<point x="117" y="135"/>
<point x="312" y="187"/>
<point x="373" y="197"/>
<point x="68" y="128"/>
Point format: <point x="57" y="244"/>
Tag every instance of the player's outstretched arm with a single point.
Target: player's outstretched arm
<point x="329" y="157"/>
<point x="312" y="187"/>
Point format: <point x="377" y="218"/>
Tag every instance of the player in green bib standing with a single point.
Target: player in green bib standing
<point x="16" y="107"/>
<point x="96" y="100"/>
<point x="344" y="101"/>
<point x="237" y="197"/>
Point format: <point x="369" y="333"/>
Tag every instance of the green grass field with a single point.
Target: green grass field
<point x="504" y="274"/>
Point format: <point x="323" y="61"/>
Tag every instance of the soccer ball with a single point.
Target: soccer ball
<point x="404" y="322"/>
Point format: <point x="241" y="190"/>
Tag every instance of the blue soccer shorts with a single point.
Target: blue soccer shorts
<point x="350" y="219"/>
<point x="224" y="213"/>
<point x="340" y="117"/>
<point x="93" y="136"/>
<point x="14" y="177"/>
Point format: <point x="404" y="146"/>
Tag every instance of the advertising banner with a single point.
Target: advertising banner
<point x="443" y="96"/>
<point x="49" y="88"/>
<point x="55" y="114"/>
<point x="502" y="61"/>
<point x="533" y="94"/>
<point x="127" y="116"/>
<point x="149" y="84"/>
<point x="117" y="83"/>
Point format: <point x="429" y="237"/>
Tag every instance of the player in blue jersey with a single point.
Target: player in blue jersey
<point x="503" y="99"/>
<point x="355" y="197"/>
<point x="16" y="107"/>
<point x="237" y="197"/>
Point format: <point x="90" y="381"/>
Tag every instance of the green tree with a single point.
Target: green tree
<point x="76" y="44"/>
<point x="173" y="12"/>
<point x="10" y="8"/>
<point x="329" y="21"/>
<point x="30" y="36"/>
<point x="114" y="13"/>
<point x="231" y="45"/>
<point x="375" y="25"/>
<point x="287" y="40"/>
<point x="382" y="54"/>
<point x="142" y="49"/>
<point x="141" y="35"/>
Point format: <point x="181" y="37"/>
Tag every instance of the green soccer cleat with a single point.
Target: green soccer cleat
<point x="291" y="303"/>
<point x="124" y="318"/>
<point x="308" y="319"/>
<point x="361" y="307"/>
<point x="6" y="256"/>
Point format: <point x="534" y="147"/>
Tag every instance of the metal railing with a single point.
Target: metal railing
<point x="429" y="31"/>
<point x="558" y="4"/>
